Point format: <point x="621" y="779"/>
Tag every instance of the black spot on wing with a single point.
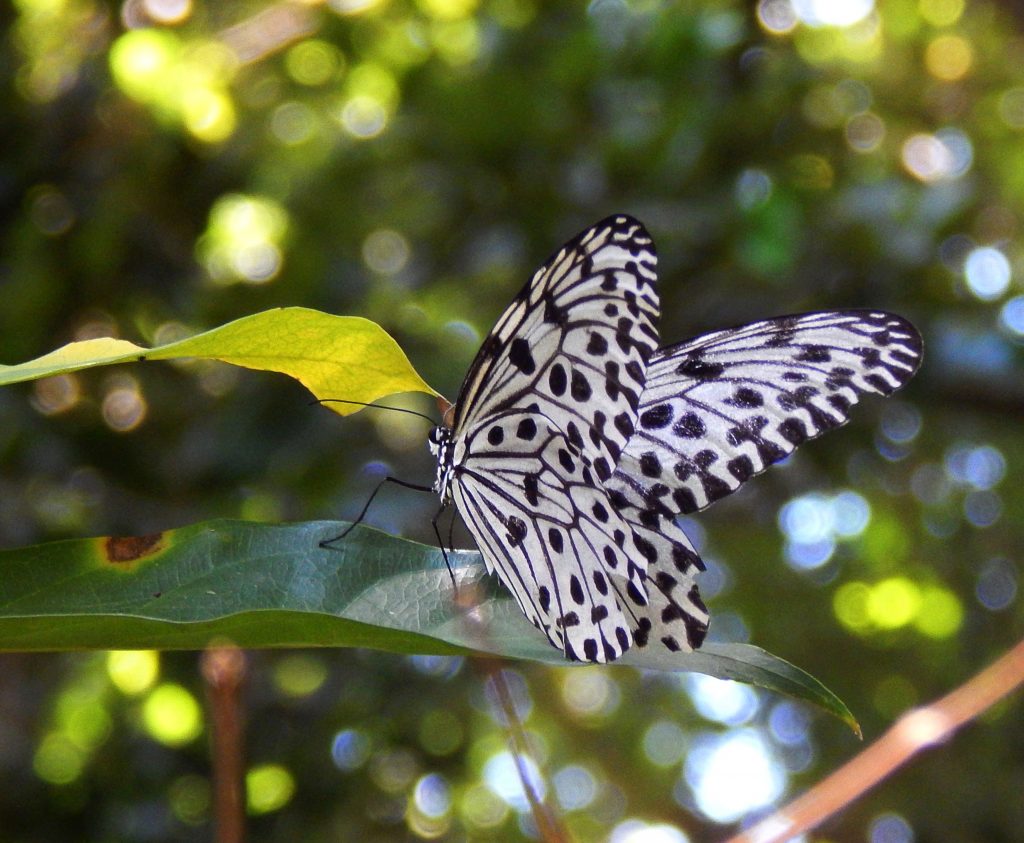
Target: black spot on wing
<point x="597" y="346"/>
<point x="557" y="380"/>
<point x="690" y="426"/>
<point x="650" y="465"/>
<point x="531" y="489"/>
<point x="576" y="590"/>
<point x="814" y="354"/>
<point x="700" y="370"/>
<point x="793" y="431"/>
<point x="520" y="357"/>
<point x="745" y="398"/>
<point x="579" y="388"/>
<point x="741" y="467"/>
<point x="657" y="417"/>
<point x="624" y="424"/>
<point x="685" y="500"/>
<point x="526" y="430"/>
<point x="566" y="460"/>
<point x="553" y="314"/>
<point x="516" y="530"/>
<point x="642" y="633"/>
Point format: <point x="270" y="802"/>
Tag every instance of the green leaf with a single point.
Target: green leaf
<point x="332" y="356"/>
<point x="274" y="586"/>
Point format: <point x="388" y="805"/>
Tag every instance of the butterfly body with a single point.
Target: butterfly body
<point x="575" y="442"/>
<point x="440" y="444"/>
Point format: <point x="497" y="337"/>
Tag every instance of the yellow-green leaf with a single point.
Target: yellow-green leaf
<point x="333" y="356"/>
<point x="71" y="357"/>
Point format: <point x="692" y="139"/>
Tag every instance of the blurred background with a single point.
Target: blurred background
<point x="168" y="165"/>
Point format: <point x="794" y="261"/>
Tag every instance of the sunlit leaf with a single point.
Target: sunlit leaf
<point x="333" y="356"/>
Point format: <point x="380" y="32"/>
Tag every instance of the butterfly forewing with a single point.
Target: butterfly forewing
<point x="575" y="342"/>
<point x="721" y="408"/>
<point x="675" y="617"/>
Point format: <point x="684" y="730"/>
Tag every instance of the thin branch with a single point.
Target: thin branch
<point x="915" y="731"/>
<point x="549" y="825"/>
<point x="223" y="669"/>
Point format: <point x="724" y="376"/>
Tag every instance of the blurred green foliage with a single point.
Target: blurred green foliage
<point x="169" y="165"/>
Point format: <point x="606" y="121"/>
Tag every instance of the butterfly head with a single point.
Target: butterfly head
<point x="440" y="443"/>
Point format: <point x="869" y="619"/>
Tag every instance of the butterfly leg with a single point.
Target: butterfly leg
<point x="389" y="479"/>
<point x="440" y="544"/>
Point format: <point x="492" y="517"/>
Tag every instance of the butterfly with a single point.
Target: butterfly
<point x="576" y="441"/>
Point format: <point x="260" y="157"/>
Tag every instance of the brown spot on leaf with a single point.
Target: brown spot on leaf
<point x="121" y="549"/>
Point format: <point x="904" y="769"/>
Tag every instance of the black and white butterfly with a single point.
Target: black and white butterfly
<point x="576" y="441"/>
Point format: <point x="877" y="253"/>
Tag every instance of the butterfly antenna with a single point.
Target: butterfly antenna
<point x="389" y="479"/>
<point x="374" y="406"/>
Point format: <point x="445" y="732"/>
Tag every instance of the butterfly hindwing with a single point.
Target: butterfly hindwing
<point x="550" y="533"/>
<point x="721" y="408"/>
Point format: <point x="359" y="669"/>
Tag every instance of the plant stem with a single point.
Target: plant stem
<point x="223" y="669"/>
<point x="915" y="731"/>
